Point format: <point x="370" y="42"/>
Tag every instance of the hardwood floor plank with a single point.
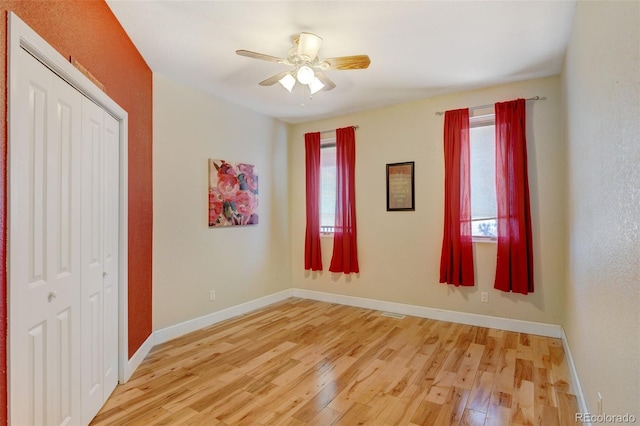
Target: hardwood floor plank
<point x="326" y="417"/>
<point x="406" y="407"/>
<point x="482" y="336"/>
<point x="453" y="409"/>
<point x="237" y="406"/>
<point x="389" y="380"/>
<point x="481" y="392"/>
<point x="441" y="387"/>
<point x="358" y="386"/>
<point x="282" y="412"/>
<point x="304" y="366"/>
<point x="147" y="410"/>
<point x="426" y="413"/>
<point x="522" y="406"/>
<point x="290" y="398"/>
<point x="318" y="402"/>
<point x="505" y="371"/>
<point x="466" y="374"/>
<point x="540" y="352"/>
<point x="499" y="410"/>
<point x="430" y="368"/>
<point x="490" y="355"/>
<point x="302" y="362"/>
<point x="472" y="418"/>
<point x="560" y="370"/>
<point x="523" y="371"/>
<point x="382" y="407"/>
<point x="567" y="407"/>
<point x="399" y="384"/>
<point x="543" y="392"/>
<point x="109" y="417"/>
<point x="355" y="415"/>
<point x="546" y="416"/>
<point x="121" y="395"/>
<point x="256" y="362"/>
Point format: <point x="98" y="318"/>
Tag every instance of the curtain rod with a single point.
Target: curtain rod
<point x="356" y="127"/>
<point x="535" y="98"/>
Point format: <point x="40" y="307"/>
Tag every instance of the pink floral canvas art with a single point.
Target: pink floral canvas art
<point x="233" y="194"/>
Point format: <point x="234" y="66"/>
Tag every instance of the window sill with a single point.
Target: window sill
<point x="484" y="240"/>
<point x="326" y="235"/>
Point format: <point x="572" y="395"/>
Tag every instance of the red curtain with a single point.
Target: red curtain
<point x="345" y="251"/>
<point x="456" y="261"/>
<point x="514" y="268"/>
<point x="312" y="252"/>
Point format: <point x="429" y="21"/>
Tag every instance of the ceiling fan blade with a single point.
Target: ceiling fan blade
<point x="274" y="79"/>
<point x="328" y="84"/>
<point x="308" y="45"/>
<point x="356" y="62"/>
<point x="262" y="56"/>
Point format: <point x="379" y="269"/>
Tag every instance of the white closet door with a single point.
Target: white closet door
<point x="92" y="293"/>
<point x="99" y="259"/>
<point x="44" y="248"/>
<point x="63" y="246"/>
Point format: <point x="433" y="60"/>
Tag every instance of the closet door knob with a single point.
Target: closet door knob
<point x="52" y="295"/>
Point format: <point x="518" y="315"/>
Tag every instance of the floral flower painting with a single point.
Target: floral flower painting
<point x="233" y="194"/>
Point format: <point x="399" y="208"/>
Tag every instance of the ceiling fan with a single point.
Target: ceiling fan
<point x="307" y="67"/>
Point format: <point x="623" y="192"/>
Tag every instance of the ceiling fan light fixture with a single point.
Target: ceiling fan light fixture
<point x="316" y="85"/>
<point x="306" y="68"/>
<point x="288" y="81"/>
<point x="305" y="74"/>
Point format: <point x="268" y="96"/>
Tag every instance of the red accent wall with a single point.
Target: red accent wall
<point x="88" y="31"/>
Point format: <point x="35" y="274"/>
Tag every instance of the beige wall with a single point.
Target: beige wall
<point x="584" y="191"/>
<point x="601" y="85"/>
<point x="189" y="258"/>
<point x="399" y="252"/>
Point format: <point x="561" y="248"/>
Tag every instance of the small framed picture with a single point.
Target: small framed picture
<point x="400" y="187"/>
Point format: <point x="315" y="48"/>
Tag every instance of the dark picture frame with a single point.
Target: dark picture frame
<point x="400" y="187"/>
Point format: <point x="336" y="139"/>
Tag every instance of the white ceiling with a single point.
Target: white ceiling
<point x="418" y="49"/>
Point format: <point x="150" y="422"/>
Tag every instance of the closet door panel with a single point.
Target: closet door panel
<point x="93" y="270"/>
<point x="64" y="251"/>
<point x="44" y="247"/>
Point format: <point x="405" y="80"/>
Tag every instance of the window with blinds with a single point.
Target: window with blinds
<point x="327" y="185"/>
<point x="483" y="177"/>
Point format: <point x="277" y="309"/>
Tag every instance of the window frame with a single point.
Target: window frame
<point x="329" y="142"/>
<point x="482" y="120"/>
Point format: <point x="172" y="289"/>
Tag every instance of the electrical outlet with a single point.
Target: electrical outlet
<point x="484" y="297"/>
<point x="212" y="295"/>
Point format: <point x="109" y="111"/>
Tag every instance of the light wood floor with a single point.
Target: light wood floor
<point x="303" y="362"/>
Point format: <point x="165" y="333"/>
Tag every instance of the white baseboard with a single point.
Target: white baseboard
<point x="137" y="358"/>
<point x="509" y="324"/>
<point x="177" y="330"/>
<point x="582" y="403"/>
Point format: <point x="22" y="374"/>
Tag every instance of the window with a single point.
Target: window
<point x="327" y="185"/>
<point x="484" y="222"/>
